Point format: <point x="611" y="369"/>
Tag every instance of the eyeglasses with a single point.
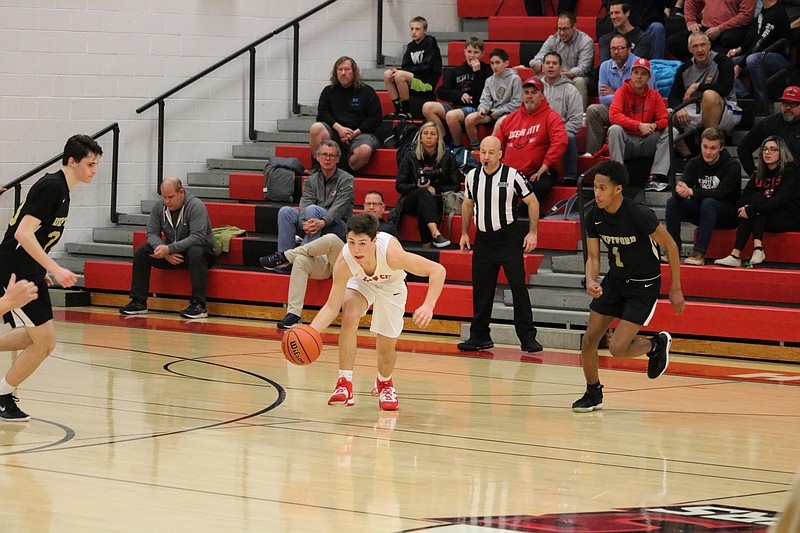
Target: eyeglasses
<point x="790" y="105"/>
<point x="770" y="149"/>
<point x="565" y="30"/>
<point x="327" y="156"/>
<point x="373" y="204"/>
<point x="618" y="48"/>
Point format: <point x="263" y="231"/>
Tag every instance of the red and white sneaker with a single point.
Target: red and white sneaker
<point x="343" y="393"/>
<point x="387" y="395"/>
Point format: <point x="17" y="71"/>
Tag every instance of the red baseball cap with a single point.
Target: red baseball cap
<point x="536" y="82"/>
<point x="642" y="63"/>
<point x="791" y="94"/>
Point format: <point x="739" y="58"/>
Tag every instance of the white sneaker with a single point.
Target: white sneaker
<point x="758" y="257"/>
<point x="729" y="261"/>
<point x="696" y="259"/>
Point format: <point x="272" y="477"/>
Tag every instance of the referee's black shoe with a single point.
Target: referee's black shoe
<point x="472" y="345"/>
<point x="659" y="355"/>
<point x="531" y="346"/>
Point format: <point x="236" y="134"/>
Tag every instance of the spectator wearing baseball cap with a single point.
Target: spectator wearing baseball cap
<point x="533" y="138"/>
<point x="785" y="124"/>
<point x="639" y="119"/>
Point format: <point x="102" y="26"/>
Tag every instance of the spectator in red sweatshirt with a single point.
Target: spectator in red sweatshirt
<point x="638" y="119"/>
<point x="534" y="138"/>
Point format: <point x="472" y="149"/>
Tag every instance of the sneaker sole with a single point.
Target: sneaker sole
<point x="192" y="317"/>
<point x="478" y="348"/>
<point x="347" y="403"/>
<point x="389" y="408"/>
<point x="282" y="265"/>
<point x="132" y="313"/>
<point x="587" y="409"/>
<point x="441" y="244"/>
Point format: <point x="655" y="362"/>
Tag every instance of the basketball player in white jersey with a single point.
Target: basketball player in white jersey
<point x="371" y="271"/>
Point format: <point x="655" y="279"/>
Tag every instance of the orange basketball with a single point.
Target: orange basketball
<point x="301" y="345"/>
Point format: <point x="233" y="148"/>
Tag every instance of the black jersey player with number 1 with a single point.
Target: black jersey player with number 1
<point x="632" y="234"/>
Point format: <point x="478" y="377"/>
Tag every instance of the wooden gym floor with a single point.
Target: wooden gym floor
<point x="157" y="424"/>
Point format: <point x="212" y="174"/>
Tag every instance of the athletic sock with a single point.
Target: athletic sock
<point x="5" y="388"/>
<point x="593" y="385"/>
<point x="397" y="107"/>
<point x="404" y="106"/>
<point x="653" y="346"/>
<point x="383" y="379"/>
<point x="346" y="374"/>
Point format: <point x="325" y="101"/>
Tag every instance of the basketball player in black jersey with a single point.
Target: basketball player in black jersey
<point x="32" y="232"/>
<point x="632" y="234"/>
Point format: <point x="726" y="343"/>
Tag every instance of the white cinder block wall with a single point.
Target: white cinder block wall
<point x="76" y="66"/>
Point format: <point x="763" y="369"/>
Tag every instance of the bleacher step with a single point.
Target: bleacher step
<point x="254" y="150"/>
<point x="550" y="338"/>
<point x="238" y="164"/>
<point x="99" y="248"/>
<point x="133" y="219"/>
<point x="548" y="278"/>
<point x="210" y="193"/>
<point x="553" y="298"/>
<point x="295" y="124"/>
<point x="282" y="137"/>
<point x="209" y="178"/>
<point x="115" y="235"/>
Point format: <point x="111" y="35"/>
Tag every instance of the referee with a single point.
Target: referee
<point x="490" y="197"/>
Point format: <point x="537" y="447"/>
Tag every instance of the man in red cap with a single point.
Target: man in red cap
<point x="533" y="138"/>
<point x="638" y="119"/>
<point x="785" y="124"/>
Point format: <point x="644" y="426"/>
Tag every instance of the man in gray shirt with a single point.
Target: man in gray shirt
<point x="576" y="50"/>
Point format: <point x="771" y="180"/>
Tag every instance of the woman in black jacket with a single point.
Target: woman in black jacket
<point x="768" y="201"/>
<point x="425" y="173"/>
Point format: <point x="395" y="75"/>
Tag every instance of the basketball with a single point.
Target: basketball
<point x="301" y="345"/>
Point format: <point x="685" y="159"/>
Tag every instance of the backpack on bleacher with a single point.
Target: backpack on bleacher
<point x="405" y="139"/>
<point x="281" y="176"/>
<point x="464" y="160"/>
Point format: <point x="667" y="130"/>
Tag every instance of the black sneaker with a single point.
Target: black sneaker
<point x="471" y="345"/>
<point x="195" y="310"/>
<point x="273" y="261"/>
<point x="289" y="321"/>
<point x="591" y="400"/>
<point x="9" y="410"/>
<point x="659" y="359"/>
<point x="134" y="307"/>
<point x="440" y="242"/>
<point x="531" y="346"/>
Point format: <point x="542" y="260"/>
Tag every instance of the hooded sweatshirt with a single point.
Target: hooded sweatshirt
<point x="462" y="80"/>
<point x="721" y="180"/>
<point x="565" y="100"/>
<point x="502" y="94"/>
<point x="629" y="109"/>
<point x="424" y="60"/>
<point x="183" y="228"/>
<point x="770" y="192"/>
<point x="532" y="139"/>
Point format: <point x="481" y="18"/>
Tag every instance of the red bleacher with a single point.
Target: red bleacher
<point x="762" y="285"/>
<point x="261" y="287"/>
<point x="488" y="8"/>
<point x="383" y="162"/>
<point x="779" y="247"/>
<point x="533" y="28"/>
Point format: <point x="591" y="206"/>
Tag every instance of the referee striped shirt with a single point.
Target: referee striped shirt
<point x="494" y="194"/>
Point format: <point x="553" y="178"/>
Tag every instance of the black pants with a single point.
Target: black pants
<point x="427" y="208"/>
<point x="678" y="43"/>
<point x="778" y="222"/>
<point x="197" y="259"/>
<point x="491" y="251"/>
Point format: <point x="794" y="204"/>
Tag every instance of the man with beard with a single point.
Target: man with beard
<point x="348" y="112"/>
<point x="785" y="124"/>
<point x="706" y="195"/>
<point x="533" y="138"/>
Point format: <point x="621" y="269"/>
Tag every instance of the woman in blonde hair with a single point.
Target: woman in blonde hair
<point x="425" y="173"/>
<point x="769" y="201"/>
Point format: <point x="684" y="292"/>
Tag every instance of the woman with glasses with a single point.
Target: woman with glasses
<point x="425" y="173"/>
<point x="769" y="202"/>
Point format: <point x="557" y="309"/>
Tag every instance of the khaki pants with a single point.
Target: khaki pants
<point x="314" y="260"/>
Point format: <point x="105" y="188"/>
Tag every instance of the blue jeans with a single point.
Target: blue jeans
<point x="289" y="225"/>
<point x="658" y="40"/>
<point x="570" y="158"/>
<point x="759" y="67"/>
<point x="707" y="214"/>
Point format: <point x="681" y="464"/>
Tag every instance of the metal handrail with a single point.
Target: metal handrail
<point x="17" y="183"/>
<point x="250" y="49"/>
